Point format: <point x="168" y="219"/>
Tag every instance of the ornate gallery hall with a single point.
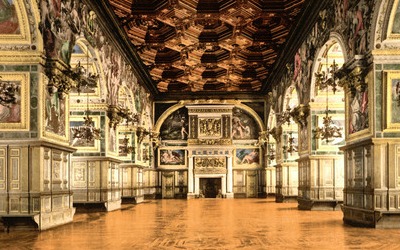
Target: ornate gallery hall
<point x="199" y="124"/>
<point x="206" y="224"/>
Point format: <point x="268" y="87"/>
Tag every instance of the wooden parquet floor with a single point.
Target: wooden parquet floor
<point x="206" y="224"/>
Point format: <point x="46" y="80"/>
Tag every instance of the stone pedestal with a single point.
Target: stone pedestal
<point x="286" y="182"/>
<point x="96" y="181"/>
<point x="321" y="182"/>
<point x="372" y="187"/>
<point x="131" y="183"/>
<point x="270" y="173"/>
<point x="35" y="185"/>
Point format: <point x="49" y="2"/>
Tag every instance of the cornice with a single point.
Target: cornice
<point x="109" y="23"/>
<point x="297" y="36"/>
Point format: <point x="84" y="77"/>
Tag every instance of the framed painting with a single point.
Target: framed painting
<point x="393" y="30"/>
<point x="175" y="126"/>
<point x="14" y="115"/>
<point x="55" y="120"/>
<point x="14" y="23"/>
<point x="392" y="100"/>
<point x="171" y="157"/>
<point x="244" y="125"/>
<point x="247" y="157"/>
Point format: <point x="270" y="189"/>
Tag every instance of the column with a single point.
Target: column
<point x="190" y="179"/>
<point x="229" y="178"/>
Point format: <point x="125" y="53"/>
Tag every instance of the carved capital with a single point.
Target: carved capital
<point x="353" y="81"/>
<point x="276" y="133"/>
<point x="112" y="114"/>
<point x="300" y="114"/>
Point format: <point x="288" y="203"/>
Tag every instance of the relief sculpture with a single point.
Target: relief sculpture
<point x="210" y="165"/>
<point x="210" y="127"/>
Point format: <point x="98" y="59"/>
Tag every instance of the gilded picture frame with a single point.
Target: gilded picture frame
<point x="15" y="117"/>
<point x="391" y="101"/>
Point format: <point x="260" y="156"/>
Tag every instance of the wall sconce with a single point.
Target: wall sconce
<point x="8" y="92"/>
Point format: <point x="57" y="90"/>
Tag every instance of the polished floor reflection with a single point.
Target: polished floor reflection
<point x="206" y="224"/>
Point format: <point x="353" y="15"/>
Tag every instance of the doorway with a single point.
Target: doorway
<point x="210" y="187"/>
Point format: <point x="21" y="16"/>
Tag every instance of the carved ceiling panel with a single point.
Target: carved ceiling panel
<point x="208" y="45"/>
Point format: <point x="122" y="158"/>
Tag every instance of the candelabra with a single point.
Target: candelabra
<point x="324" y="80"/>
<point x="125" y="148"/>
<point x="285" y="116"/>
<point x="291" y="147"/>
<point x="62" y="81"/>
<point x="327" y="131"/>
<point x="87" y="131"/>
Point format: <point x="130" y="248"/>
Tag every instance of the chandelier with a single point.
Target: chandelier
<point x="124" y="147"/>
<point x="324" y="80"/>
<point x="8" y="93"/>
<point x="62" y="81"/>
<point x="285" y="116"/>
<point x="327" y="131"/>
<point x="291" y="147"/>
<point x="87" y="131"/>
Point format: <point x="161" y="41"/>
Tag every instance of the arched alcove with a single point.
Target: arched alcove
<point x="287" y="149"/>
<point x="321" y="167"/>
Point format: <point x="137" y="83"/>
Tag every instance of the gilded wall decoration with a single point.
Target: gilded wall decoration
<point x="175" y="126"/>
<point x="210" y="162"/>
<point x="210" y="165"/>
<point x="209" y="127"/>
<point x="249" y="156"/>
<point x="243" y="125"/>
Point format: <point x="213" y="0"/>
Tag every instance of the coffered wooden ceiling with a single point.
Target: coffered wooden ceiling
<point x="208" y="46"/>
